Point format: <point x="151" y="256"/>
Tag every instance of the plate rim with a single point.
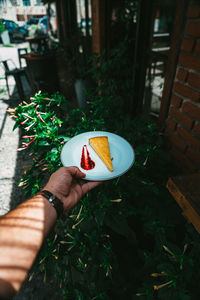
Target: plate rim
<point x="103" y="132"/>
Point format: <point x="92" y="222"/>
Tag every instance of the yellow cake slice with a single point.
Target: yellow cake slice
<point x="101" y="147"/>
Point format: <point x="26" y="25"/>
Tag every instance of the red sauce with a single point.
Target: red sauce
<point x="86" y="162"/>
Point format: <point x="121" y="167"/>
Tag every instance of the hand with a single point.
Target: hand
<point x="67" y="185"/>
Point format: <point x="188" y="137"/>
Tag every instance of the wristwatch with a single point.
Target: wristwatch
<point x="55" y="202"/>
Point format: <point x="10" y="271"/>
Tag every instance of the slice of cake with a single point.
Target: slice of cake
<point x="101" y="147"/>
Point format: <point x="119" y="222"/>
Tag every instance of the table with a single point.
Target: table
<point x="38" y="44"/>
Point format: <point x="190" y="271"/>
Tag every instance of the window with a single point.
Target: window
<point x="38" y="3"/>
<point x="20" y="17"/>
<point x="26" y="2"/>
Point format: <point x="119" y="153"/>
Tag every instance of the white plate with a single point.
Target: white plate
<point x="121" y="151"/>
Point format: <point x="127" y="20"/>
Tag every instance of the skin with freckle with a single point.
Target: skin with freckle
<point x="23" y="229"/>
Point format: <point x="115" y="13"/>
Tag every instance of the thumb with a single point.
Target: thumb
<point x="76" y="172"/>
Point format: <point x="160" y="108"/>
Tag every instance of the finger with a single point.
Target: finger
<point x="75" y="172"/>
<point x="89" y="185"/>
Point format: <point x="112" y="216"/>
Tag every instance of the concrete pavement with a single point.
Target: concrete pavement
<point x="12" y="166"/>
<point x="11" y="161"/>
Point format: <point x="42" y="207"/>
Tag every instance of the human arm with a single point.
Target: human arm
<point x="23" y="229"/>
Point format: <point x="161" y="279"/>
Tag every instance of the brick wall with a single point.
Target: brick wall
<point x="183" y="123"/>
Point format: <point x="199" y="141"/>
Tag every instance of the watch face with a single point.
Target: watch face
<point x="51" y="198"/>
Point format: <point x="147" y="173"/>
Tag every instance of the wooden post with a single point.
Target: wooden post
<point x="87" y="18"/>
<point x="172" y="60"/>
<point x="67" y="19"/>
<point x="58" y="16"/>
<point x="100" y="25"/>
<point x="141" y="54"/>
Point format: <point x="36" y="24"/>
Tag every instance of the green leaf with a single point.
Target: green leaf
<point x="65" y="138"/>
<point x="16" y="126"/>
<point x="43" y="143"/>
<point x="99" y="216"/>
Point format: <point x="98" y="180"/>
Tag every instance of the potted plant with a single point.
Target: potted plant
<point x="82" y="81"/>
<point x="4" y="34"/>
<point x="73" y="62"/>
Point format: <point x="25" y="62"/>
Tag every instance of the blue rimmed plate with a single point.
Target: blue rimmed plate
<point x="121" y="152"/>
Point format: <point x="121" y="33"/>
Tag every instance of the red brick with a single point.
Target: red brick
<point x="189" y="61"/>
<point x="192" y="110"/>
<point x="194" y="80"/>
<point x="193" y="156"/>
<point x="181" y="117"/>
<point x="197" y="48"/>
<point x="193" y="29"/>
<point x="174" y="139"/>
<point x="197" y="128"/>
<point x="193" y="11"/>
<point x="176" y="101"/>
<point x="186" y="91"/>
<point x="182" y="74"/>
<point x="171" y="124"/>
<point x="187" y="45"/>
<point x="188" y="137"/>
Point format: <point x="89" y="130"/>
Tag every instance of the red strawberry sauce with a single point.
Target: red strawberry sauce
<point x="86" y="162"/>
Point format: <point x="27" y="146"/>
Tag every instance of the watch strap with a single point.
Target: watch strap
<point x="55" y="202"/>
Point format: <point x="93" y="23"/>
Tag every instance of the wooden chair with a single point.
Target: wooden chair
<point x="21" y="51"/>
<point x="10" y="69"/>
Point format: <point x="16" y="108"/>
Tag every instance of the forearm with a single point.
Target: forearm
<point x="22" y="232"/>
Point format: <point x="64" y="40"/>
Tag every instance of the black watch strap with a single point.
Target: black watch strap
<point x="55" y="202"/>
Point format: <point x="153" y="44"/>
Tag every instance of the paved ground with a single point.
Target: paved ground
<point x="12" y="162"/>
<point x="11" y="166"/>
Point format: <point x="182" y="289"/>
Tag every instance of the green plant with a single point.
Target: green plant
<point x="85" y="253"/>
<point x="7" y="46"/>
<point x="2" y="27"/>
<point x="74" y="55"/>
<point x="2" y="90"/>
<point x="126" y="239"/>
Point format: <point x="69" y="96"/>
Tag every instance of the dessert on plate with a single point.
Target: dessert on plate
<point x="101" y="146"/>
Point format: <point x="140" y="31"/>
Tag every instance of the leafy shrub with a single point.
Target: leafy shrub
<point x="127" y="238"/>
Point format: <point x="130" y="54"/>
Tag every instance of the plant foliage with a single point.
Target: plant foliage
<point x="127" y="238"/>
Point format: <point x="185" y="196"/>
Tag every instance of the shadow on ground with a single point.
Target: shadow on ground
<point x="17" y="193"/>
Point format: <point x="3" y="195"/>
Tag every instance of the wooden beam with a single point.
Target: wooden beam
<point x="186" y="191"/>
<point x="179" y="22"/>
